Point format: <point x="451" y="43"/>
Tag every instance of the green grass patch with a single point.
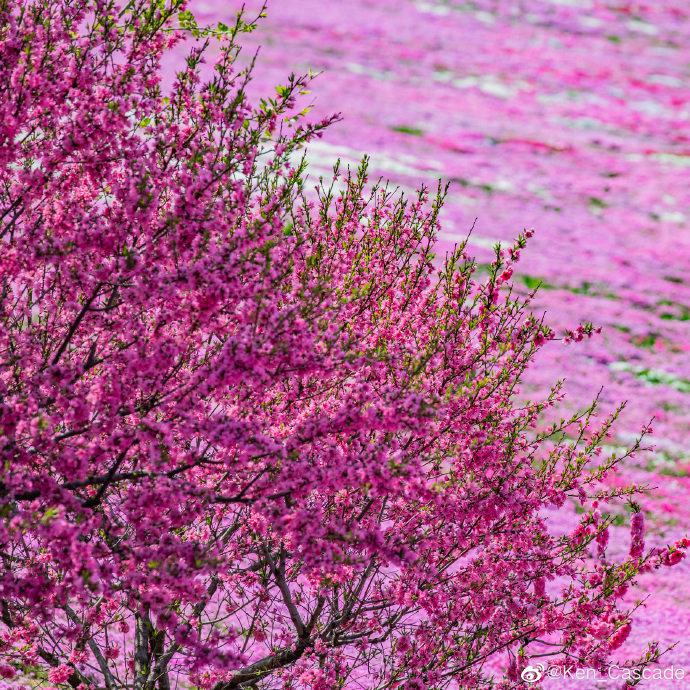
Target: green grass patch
<point x="675" y="311"/>
<point x="654" y="377"/>
<point x="596" y="202"/>
<point x="534" y="283"/>
<point x="647" y="341"/>
<point x="407" y="129"/>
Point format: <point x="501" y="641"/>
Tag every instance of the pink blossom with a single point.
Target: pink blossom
<point x="59" y="674"/>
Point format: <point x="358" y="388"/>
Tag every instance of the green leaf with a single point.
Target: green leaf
<point x="49" y="514"/>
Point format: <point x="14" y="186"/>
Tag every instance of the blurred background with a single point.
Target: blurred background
<point x="571" y="117"/>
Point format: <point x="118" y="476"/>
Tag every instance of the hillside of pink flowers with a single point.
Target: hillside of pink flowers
<point x="568" y="116"/>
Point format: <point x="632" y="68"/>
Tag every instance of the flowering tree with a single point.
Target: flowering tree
<point x="253" y="438"/>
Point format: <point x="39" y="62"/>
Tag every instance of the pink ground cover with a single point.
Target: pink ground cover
<point x="568" y="116"/>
